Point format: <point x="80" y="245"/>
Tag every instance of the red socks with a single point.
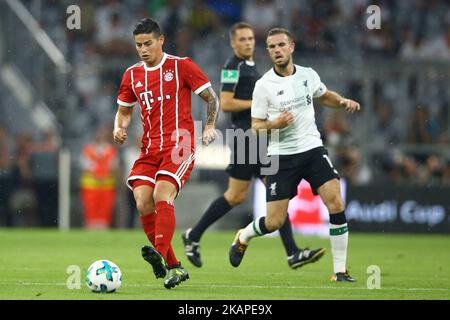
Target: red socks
<point x="164" y="226"/>
<point x="149" y="224"/>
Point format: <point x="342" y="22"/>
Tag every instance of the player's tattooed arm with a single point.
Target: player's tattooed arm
<point x="335" y="100"/>
<point x="212" y="102"/>
<point x="212" y="108"/>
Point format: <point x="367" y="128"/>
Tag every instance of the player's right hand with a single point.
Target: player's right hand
<point x="209" y="135"/>
<point x="120" y="135"/>
<point x="285" y="119"/>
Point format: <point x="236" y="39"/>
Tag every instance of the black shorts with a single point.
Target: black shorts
<point x="247" y="160"/>
<point x="313" y="165"/>
<point x="244" y="171"/>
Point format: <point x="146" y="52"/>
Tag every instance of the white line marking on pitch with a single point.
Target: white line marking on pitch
<point x="242" y="287"/>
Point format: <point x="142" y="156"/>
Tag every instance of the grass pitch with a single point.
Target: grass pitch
<point x="33" y="265"/>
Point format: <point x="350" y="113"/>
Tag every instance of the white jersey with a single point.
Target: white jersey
<point x="274" y="94"/>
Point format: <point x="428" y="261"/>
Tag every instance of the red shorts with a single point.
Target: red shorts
<point x="161" y="165"/>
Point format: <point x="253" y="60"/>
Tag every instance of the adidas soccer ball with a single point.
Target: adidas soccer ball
<point x="103" y="276"/>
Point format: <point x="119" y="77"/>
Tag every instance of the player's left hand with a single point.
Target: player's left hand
<point x="209" y="135"/>
<point x="350" y="105"/>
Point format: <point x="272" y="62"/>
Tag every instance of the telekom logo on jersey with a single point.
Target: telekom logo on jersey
<point x="148" y="98"/>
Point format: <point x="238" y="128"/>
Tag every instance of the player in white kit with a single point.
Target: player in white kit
<point x="283" y="105"/>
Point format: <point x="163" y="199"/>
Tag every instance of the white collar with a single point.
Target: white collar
<point x="157" y="66"/>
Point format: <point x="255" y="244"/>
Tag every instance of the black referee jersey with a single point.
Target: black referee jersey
<point x="239" y="76"/>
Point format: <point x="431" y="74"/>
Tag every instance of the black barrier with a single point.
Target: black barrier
<point x="398" y="209"/>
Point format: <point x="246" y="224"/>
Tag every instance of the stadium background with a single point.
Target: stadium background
<point x="394" y="155"/>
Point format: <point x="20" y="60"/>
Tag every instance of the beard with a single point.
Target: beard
<point x="284" y="64"/>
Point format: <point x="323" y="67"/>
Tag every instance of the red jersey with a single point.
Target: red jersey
<point x="164" y="95"/>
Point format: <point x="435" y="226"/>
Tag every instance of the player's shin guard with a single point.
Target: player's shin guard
<point x="339" y="241"/>
<point x="148" y="223"/>
<point x="164" y="227"/>
<point x="256" y="228"/>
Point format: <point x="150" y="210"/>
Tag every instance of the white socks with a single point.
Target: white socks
<point x="251" y="231"/>
<point x="339" y="241"/>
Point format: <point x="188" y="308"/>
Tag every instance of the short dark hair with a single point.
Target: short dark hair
<point x="237" y="26"/>
<point x="275" y="31"/>
<point x="147" y="25"/>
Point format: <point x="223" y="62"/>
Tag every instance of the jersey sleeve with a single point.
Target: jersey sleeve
<point x="319" y="88"/>
<point x="194" y="77"/>
<point x="260" y="102"/>
<point x="229" y="76"/>
<point x="126" y="97"/>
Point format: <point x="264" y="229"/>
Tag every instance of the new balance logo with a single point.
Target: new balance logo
<point x="139" y="84"/>
<point x="280" y="93"/>
<point x="273" y="189"/>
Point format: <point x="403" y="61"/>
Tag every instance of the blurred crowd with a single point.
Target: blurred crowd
<point x="417" y="30"/>
<point x="411" y="32"/>
<point x="416" y="153"/>
<point x="28" y="178"/>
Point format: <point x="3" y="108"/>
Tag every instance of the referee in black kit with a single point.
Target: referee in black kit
<point x="238" y="79"/>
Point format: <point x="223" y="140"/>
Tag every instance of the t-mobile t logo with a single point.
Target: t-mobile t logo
<point x="148" y="99"/>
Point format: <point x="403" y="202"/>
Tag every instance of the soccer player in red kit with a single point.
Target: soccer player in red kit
<point x="162" y="84"/>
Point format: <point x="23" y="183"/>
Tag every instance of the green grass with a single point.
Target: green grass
<point x="33" y="265"/>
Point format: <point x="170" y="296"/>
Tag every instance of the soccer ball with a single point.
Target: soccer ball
<point x="103" y="276"/>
